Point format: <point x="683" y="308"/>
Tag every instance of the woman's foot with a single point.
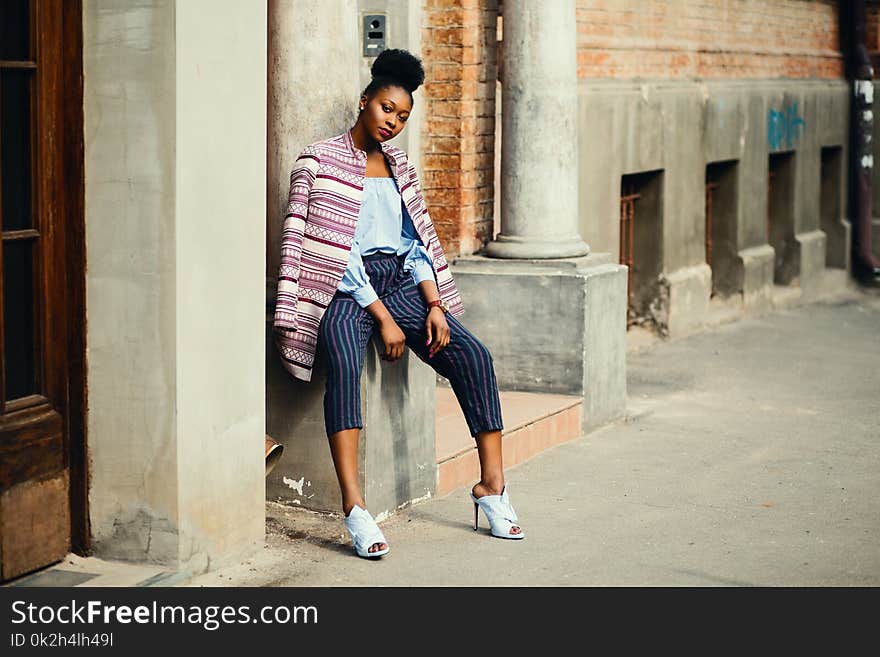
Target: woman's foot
<point x="375" y="547"/>
<point x="481" y="489"/>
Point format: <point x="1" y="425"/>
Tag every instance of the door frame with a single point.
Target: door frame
<point x="73" y="191"/>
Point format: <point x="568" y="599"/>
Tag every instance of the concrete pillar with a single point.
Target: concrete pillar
<point x="539" y="172"/>
<point x="552" y="313"/>
<point x="175" y="152"/>
<point x="316" y="74"/>
<point x="313" y="92"/>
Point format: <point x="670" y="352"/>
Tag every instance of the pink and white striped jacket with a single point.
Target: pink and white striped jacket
<point x="326" y="187"/>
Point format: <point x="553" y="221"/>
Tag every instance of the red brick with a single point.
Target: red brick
<point x="441" y="214"/>
<point x="712" y="39"/>
<point x="440" y="161"/>
<point x="443" y="127"/>
<point x="448" y="35"/>
<point x="451" y="17"/>
<point x="433" y="53"/>
<point x="443" y="90"/>
<point x="445" y="179"/>
<point x="444" y="145"/>
<point x="445" y="72"/>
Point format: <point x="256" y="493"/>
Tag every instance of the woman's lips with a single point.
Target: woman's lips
<point x="385" y="133"/>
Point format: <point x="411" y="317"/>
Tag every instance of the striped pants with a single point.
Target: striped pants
<point x="346" y="329"/>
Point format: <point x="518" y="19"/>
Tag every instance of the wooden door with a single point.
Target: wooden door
<point x="42" y="474"/>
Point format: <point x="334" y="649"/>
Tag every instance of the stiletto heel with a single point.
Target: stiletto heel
<point x="499" y="512"/>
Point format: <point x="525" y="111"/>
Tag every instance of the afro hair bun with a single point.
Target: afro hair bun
<point x="399" y="66"/>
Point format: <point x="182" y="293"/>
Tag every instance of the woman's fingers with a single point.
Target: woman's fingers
<point x="444" y="336"/>
<point x="395" y="350"/>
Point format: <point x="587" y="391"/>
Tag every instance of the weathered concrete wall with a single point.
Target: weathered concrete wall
<point x="404" y="27"/>
<point x="175" y="199"/>
<point x="316" y="76"/>
<point x="680" y="127"/>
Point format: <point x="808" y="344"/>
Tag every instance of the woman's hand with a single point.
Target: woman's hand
<point x="394" y="339"/>
<point x="438" y="331"/>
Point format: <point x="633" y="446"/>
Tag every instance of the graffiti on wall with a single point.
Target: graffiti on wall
<point x="784" y="127"/>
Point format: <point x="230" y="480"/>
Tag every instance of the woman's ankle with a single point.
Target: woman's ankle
<point x="348" y="506"/>
<point x="490" y="486"/>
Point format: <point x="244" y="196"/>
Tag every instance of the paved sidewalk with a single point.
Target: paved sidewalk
<point x="750" y="455"/>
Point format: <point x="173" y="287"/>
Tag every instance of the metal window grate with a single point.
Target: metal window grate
<point x="770" y="175"/>
<point x="710" y="188"/>
<point x="627" y="222"/>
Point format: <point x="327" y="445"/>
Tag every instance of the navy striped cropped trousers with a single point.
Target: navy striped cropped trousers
<point x="345" y="331"/>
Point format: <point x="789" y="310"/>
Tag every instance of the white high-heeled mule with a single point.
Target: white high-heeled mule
<point x="364" y="532"/>
<point x="499" y="512"/>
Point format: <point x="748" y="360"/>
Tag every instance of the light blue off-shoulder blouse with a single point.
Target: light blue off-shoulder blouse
<point x="383" y="225"/>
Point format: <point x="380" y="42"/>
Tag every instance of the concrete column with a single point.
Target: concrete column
<point x="316" y="75"/>
<point x="313" y="93"/>
<point x="175" y="153"/>
<point x="539" y="172"/>
<point x="552" y="313"/>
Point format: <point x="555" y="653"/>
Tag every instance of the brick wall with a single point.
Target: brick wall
<point x="616" y="39"/>
<point x="708" y="39"/>
<point x="458" y="52"/>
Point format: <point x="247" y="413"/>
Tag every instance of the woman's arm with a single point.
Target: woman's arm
<point x="429" y="290"/>
<point x="302" y="178"/>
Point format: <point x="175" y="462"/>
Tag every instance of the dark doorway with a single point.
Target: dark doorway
<point x="641" y="247"/>
<point x="780" y="218"/>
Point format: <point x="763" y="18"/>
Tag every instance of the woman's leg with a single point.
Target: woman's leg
<point x="465" y="361"/>
<point x="343" y="334"/>
<point x="491" y="470"/>
<point x="344" y="448"/>
<point x="467" y="364"/>
<point x="491" y="467"/>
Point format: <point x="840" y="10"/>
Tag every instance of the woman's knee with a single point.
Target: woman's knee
<point x="477" y="353"/>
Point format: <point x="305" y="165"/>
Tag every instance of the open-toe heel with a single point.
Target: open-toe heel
<point x="499" y="512"/>
<point x="364" y="532"/>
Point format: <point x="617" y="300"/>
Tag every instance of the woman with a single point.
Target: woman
<point x="360" y="254"/>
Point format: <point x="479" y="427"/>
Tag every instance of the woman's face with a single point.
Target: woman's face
<point x="386" y="113"/>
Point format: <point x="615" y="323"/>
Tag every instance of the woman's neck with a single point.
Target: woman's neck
<point x="362" y="140"/>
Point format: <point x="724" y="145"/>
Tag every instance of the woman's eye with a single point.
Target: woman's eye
<point x="387" y="109"/>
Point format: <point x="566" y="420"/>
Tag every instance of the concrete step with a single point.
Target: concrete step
<point x="533" y="422"/>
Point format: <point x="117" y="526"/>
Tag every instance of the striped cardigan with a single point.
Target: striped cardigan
<point x="326" y="187"/>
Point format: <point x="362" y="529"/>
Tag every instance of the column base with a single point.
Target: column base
<point x="554" y="326"/>
<point x="505" y="246"/>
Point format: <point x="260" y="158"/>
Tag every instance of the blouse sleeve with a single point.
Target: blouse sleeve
<point x="417" y="260"/>
<point x="355" y="280"/>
